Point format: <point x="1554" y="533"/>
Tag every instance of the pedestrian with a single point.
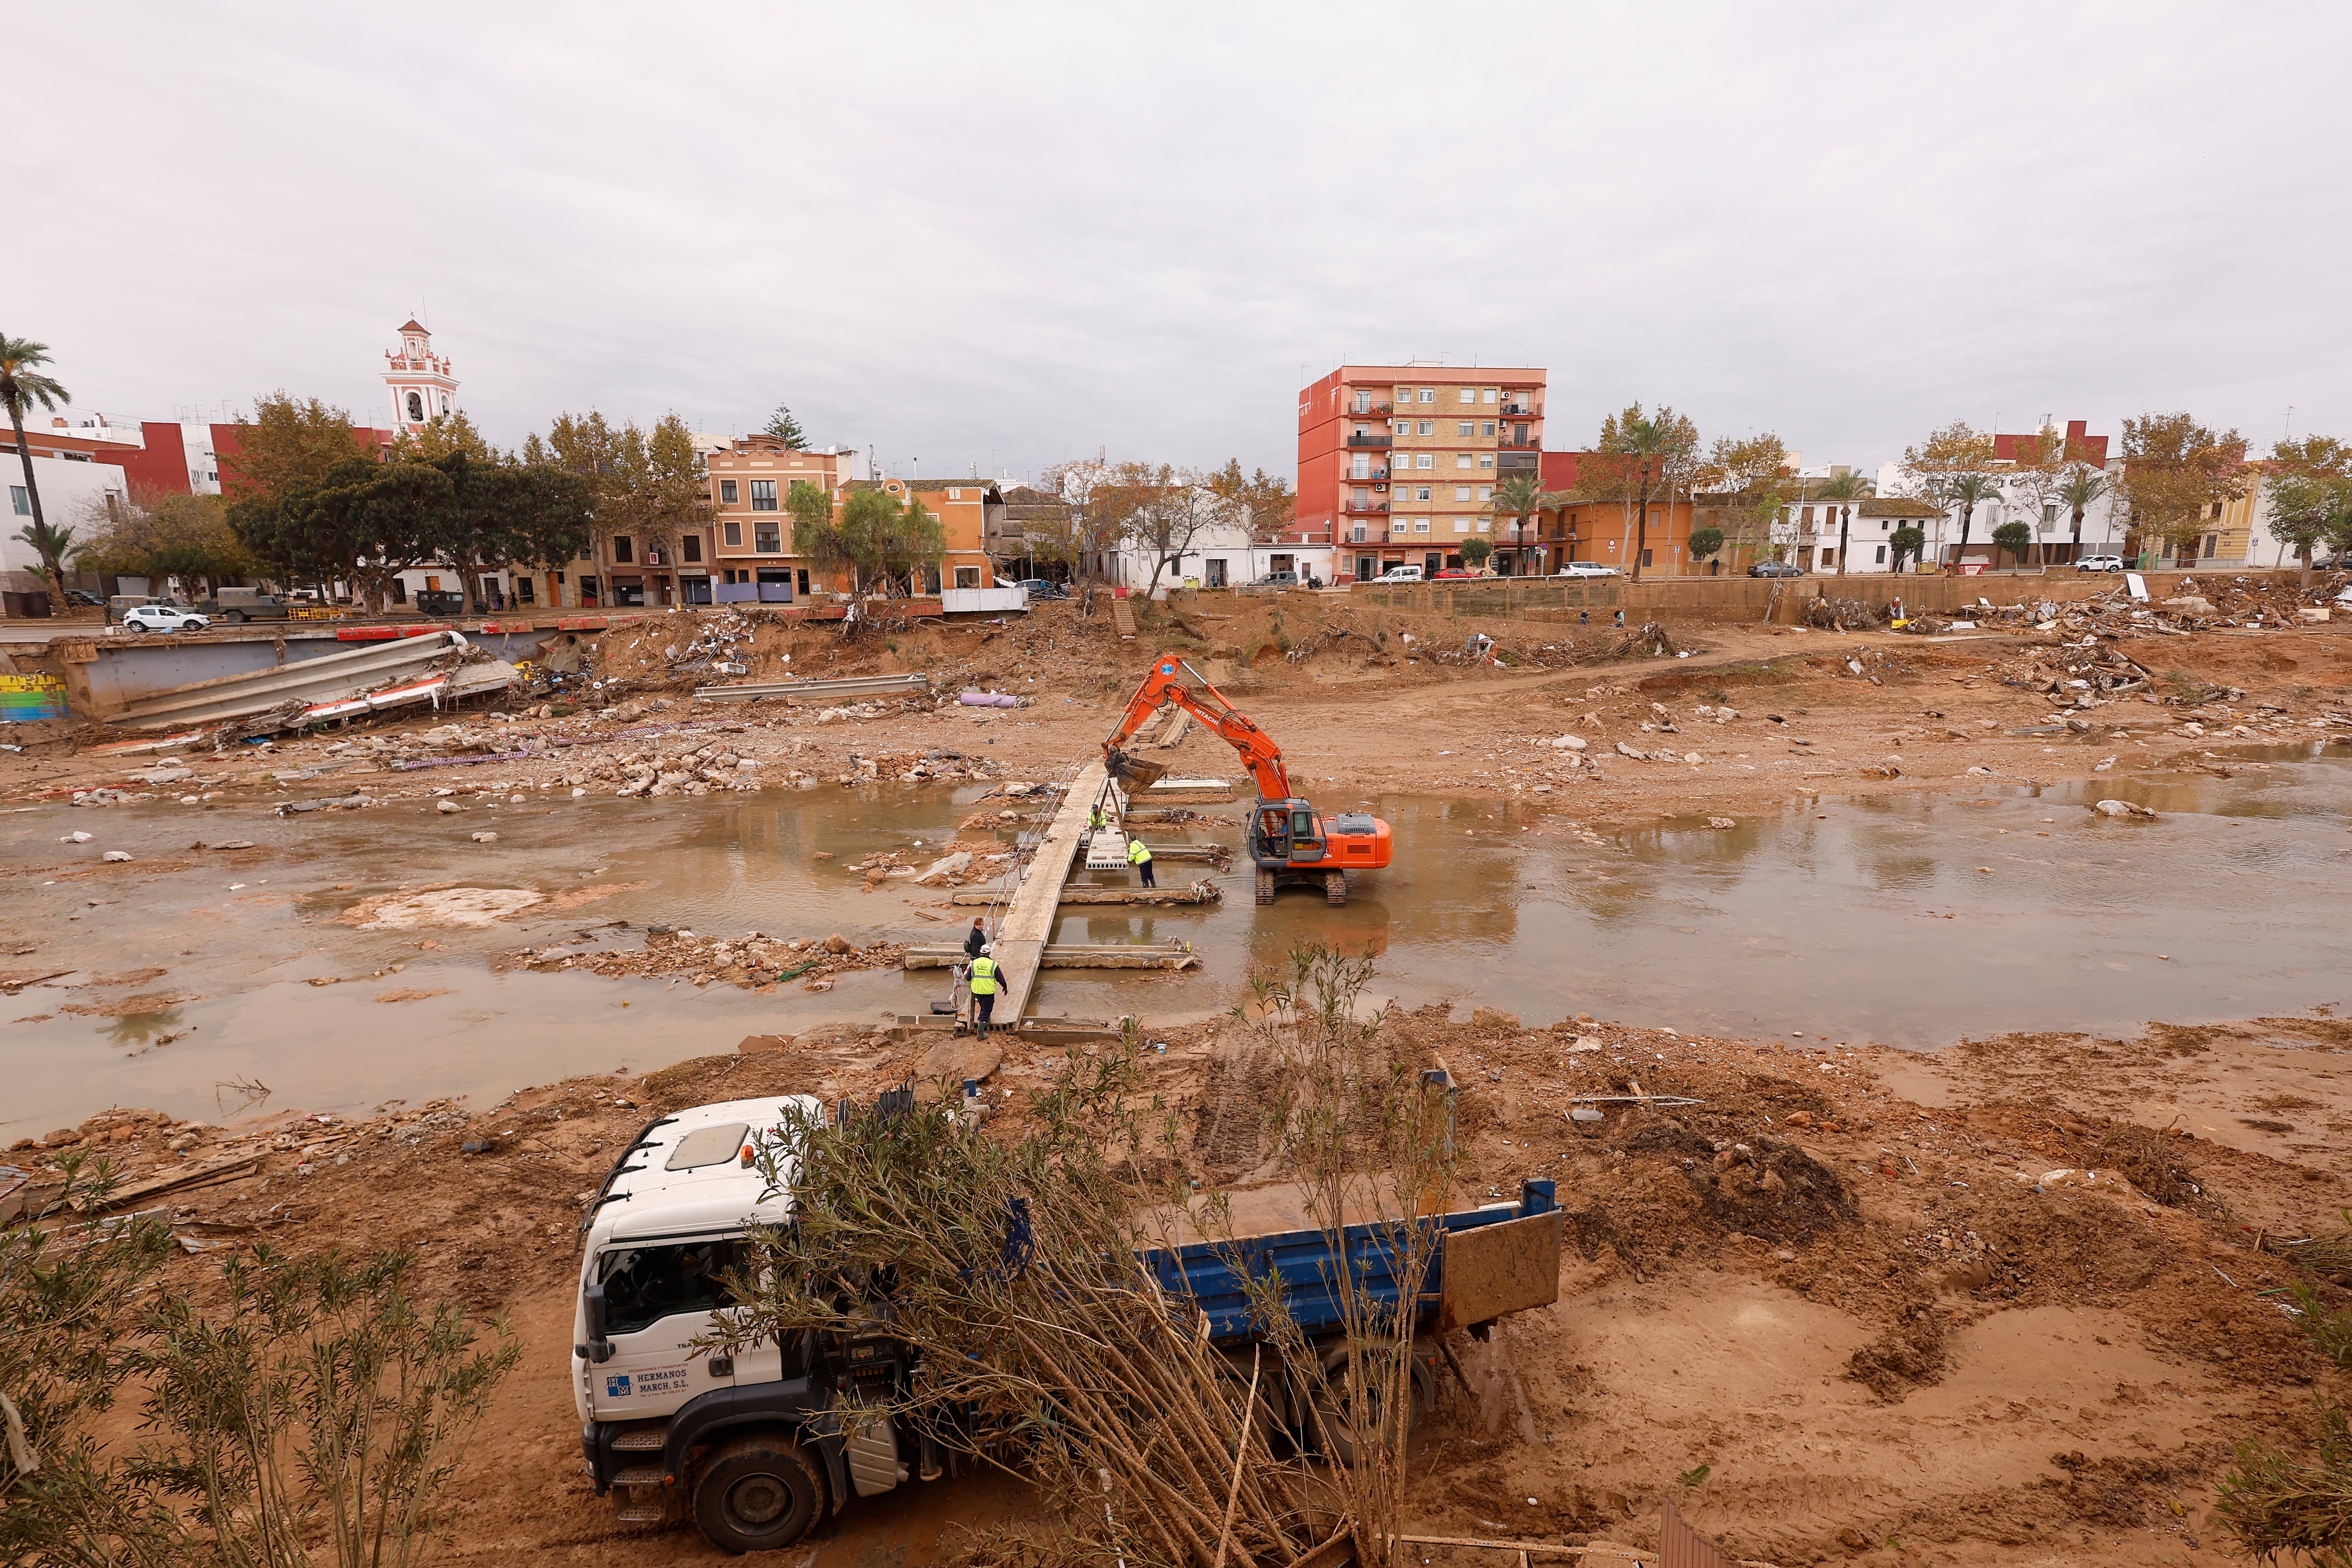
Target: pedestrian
<point x="1621" y="617"/>
<point x="975" y="940"/>
<point x="1140" y="859"/>
<point x="1585" y="617"/>
<point x="986" y="981"/>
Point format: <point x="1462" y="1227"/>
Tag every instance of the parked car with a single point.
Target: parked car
<point x="1039" y="588"/>
<point x="1459" y="572"/>
<point x="1400" y="575"/>
<point x="163" y="618"/>
<point x="1271" y="580"/>
<point x="1774" y="569"/>
<point x="2100" y="564"/>
<point x="438" y="602"/>
<point x="245" y="607"/>
<point x="83" y="601"/>
<point x="1586" y="569"/>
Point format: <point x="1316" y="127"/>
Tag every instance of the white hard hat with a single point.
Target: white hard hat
<point x="986" y="948"/>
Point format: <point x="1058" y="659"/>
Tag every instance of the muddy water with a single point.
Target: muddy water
<point x="1910" y="922"/>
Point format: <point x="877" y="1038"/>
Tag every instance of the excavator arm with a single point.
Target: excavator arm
<point x="1207" y="705"/>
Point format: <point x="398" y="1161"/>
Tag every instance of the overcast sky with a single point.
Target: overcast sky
<point x="1000" y="235"/>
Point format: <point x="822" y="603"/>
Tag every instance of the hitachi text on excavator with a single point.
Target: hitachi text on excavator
<point x="1288" y="840"/>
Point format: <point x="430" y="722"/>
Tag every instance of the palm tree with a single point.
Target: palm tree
<point x="1649" y="442"/>
<point x="1845" y="490"/>
<point x="2082" y="485"/>
<point x="1964" y="492"/>
<point x="1522" y="496"/>
<point x="22" y="385"/>
<point x="55" y="546"/>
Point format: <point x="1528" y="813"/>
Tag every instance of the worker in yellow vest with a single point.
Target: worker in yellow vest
<point x="1140" y="859"/>
<point x="987" y="979"/>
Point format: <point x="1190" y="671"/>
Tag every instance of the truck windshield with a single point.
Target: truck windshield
<point x="645" y="1284"/>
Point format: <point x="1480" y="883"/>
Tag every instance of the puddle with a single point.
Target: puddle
<point x="1850" y="921"/>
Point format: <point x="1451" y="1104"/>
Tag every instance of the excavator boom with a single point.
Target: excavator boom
<point x="1256" y="748"/>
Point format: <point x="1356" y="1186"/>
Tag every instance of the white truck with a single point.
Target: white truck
<point x="752" y="1445"/>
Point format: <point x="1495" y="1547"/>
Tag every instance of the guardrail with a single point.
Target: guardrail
<point x="819" y="690"/>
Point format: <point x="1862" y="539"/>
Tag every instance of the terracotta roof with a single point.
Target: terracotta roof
<point x="1897" y="505"/>
<point x="920" y="486"/>
<point x="412" y="325"/>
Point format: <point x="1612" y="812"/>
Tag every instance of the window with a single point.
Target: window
<point x="1460" y="460"/>
<point x="734" y="533"/>
<point x="18" y="501"/>
<point x="691" y="549"/>
<point x="1461" y="525"/>
<point x="1428" y="395"/>
<point x="1467" y="427"/>
<point x="523" y="590"/>
<point x="417" y="408"/>
<point x="1421" y="525"/>
<point x="399" y="591"/>
<point x="2213" y="540"/>
<point x="1487" y="460"/>
<point x="955" y="494"/>
<point x="727" y="496"/>
<point x="1429" y="427"/>
<point x="766" y="538"/>
<point x="1485" y="428"/>
<point x="1404" y="395"/>
<point x="1486" y="493"/>
<point x="967" y="577"/>
<point x="643" y="1285"/>
<point x="1421" y="492"/>
<point x="1882" y="555"/>
<point x="1462" y="492"/>
<point x="1424" y="459"/>
<point x="1487" y="396"/>
<point x="1469" y="394"/>
<point x="621" y="555"/>
<point x="1363" y="403"/>
<point x="1484" y="523"/>
<point x="1645" y="558"/>
<point x="763" y="495"/>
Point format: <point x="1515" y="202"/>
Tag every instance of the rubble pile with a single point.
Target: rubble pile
<point x="918" y="767"/>
<point x="682" y="763"/>
<point x="752" y="960"/>
<point x="959" y="864"/>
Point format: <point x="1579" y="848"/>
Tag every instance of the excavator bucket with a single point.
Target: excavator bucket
<point x="1135" y="769"/>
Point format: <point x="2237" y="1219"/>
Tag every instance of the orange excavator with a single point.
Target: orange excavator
<point x="1290" y="843"/>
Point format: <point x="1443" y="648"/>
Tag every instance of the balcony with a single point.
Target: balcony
<point x="1365" y="438"/>
<point x="1368" y="476"/>
<point x="1522" y="410"/>
<point x="1364" y="410"/>
<point x="1532" y="444"/>
<point x="1365" y="508"/>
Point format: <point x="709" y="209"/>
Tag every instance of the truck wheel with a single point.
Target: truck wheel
<point x="757" y="1494"/>
<point x="1331" y="1428"/>
<point x="1335" y="887"/>
<point x="1264" y="886"/>
<point x="235" y="617"/>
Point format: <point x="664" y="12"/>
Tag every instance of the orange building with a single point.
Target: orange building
<point x="752" y="531"/>
<point x="1399" y="463"/>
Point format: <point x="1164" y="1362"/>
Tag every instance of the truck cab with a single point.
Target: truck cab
<point x="1292" y="844"/>
<point x="746" y="1441"/>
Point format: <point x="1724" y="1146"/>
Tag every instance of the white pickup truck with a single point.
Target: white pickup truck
<point x="753" y="1445"/>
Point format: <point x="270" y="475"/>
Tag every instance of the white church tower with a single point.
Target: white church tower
<point x="418" y="379"/>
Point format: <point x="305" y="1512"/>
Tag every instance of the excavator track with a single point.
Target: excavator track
<point x="1264" y="886"/>
<point x="1335" y="887"/>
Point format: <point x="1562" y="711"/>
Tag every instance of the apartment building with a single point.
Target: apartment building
<point x="753" y="551"/>
<point x="1398" y="464"/>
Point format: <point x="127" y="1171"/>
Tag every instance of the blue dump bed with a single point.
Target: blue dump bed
<point x="1522" y="1272"/>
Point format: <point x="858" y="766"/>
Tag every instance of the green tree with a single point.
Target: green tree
<point x="1520" y="497"/>
<point x="787" y="430"/>
<point x="853" y="541"/>
<point x="158" y="533"/>
<point x="1953" y="468"/>
<point x="912" y="541"/>
<point x="439" y="436"/>
<point x="1906" y="544"/>
<point x="2013" y="537"/>
<point x="1705" y="541"/>
<point x="1655" y="453"/>
<point x="288" y="442"/>
<point x="364" y="522"/>
<point x="2178" y="473"/>
<point x="2308" y="484"/>
<point x="55" y="546"/>
<point x="1475" y="551"/>
<point x="1752" y="476"/>
<point x="1262" y="503"/>
<point x="23" y="385"/>
<point x="1843" y="492"/>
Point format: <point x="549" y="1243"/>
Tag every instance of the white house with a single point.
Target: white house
<point x="1223" y="554"/>
<point x="76" y="493"/>
<point x="2041" y="509"/>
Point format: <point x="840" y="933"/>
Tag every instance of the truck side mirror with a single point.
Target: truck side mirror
<point x="600" y="1349"/>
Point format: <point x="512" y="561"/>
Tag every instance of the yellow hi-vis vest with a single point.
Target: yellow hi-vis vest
<point x="984" y="977"/>
<point x="1137" y="854"/>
